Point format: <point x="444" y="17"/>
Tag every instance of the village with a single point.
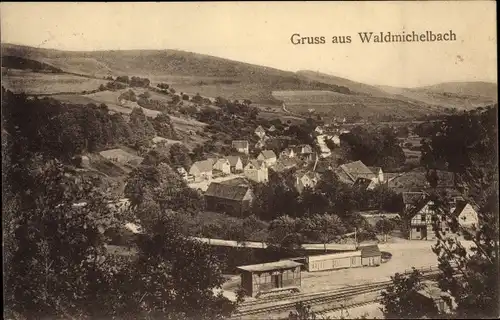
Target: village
<point x="187" y="161"/>
<point x="226" y="185"/>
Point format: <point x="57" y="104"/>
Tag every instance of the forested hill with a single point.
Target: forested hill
<point x="153" y="63"/>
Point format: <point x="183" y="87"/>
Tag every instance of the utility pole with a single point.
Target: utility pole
<point x="355" y="238"/>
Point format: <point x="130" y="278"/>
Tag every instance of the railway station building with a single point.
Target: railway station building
<point x="270" y="277"/>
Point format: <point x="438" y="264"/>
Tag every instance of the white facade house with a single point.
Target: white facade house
<point x="256" y="170"/>
<point x="222" y="165"/>
<point x="268" y="157"/>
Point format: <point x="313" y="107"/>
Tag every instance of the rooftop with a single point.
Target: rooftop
<point x="268" y="154"/>
<point x="370" y="251"/>
<point x="278" y="265"/>
<point x="233" y="160"/>
<point x="226" y="191"/>
<point x="204" y="165"/>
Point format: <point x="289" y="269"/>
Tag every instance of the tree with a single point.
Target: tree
<point x="466" y="144"/>
<point x="385" y="227"/>
<point x="179" y="274"/>
<point x="162" y="185"/>
<point x="402" y="301"/>
<point x="62" y="245"/>
<point x="471" y="276"/>
<point x="164" y="127"/>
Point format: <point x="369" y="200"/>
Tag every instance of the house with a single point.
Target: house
<point x="235" y="200"/>
<point x="433" y="299"/>
<point x="262" y="278"/>
<point x="284" y="164"/>
<point x="260" y="132"/>
<point x="268" y="156"/>
<point x="378" y="172"/>
<point x="318" y="130"/>
<point x="222" y="165"/>
<point x="182" y="172"/>
<point x="350" y="172"/>
<point x="422" y="216"/>
<point x="335" y="139"/>
<point x="213" y="160"/>
<point x="81" y="161"/>
<point x="306" y="179"/>
<point x="235" y="164"/>
<point x="272" y="128"/>
<point x="261" y="143"/>
<point x="121" y="156"/>
<point x="304" y="151"/>
<point x="466" y="214"/>
<point x="256" y="170"/>
<point x="371" y="255"/>
<point x="201" y="170"/>
<point x="241" y="146"/>
<point x="288" y="153"/>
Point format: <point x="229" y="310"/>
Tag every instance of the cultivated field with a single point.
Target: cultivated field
<point x="347" y="105"/>
<point x="47" y="83"/>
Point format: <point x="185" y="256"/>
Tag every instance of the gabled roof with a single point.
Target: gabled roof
<point x="203" y="166"/>
<point x="370" y="251"/>
<point x="233" y="160"/>
<point x="288" y="162"/>
<point x="260" y="129"/>
<point x="299" y="148"/>
<point x="362" y="183"/>
<point x="287" y="150"/>
<point x="375" y="170"/>
<point x="240" y="144"/>
<point x="256" y="163"/>
<point x="357" y="169"/>
<point x="226" y="191"/>
<point x="268" y="154"/>
<point x="271" y="128"/>
<point x="343" y="176"/>
<point x="222" y="160"/>
<point x="310" y="174"/>
<point x="278" y="265"/>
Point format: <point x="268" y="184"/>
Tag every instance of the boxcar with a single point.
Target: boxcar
<point x="334" y="261"/>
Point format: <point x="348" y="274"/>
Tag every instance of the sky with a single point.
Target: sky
<point x="259" y="33"/>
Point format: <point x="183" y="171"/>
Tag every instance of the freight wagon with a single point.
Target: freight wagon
<point x="365" y="256"/>
<point x="334" y="261"/>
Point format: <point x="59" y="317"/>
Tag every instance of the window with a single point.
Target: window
<point x="417" y="229"/>
<point x="423" y="217"/>
<point x="447" y="229"/>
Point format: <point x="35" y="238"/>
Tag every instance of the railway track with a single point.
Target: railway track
<point x="314" y="299"/>
<point x="429" y="271"/>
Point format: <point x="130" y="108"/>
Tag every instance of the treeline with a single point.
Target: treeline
<point x="73" y="274"/>
<point x="465" y="144"/>
<point x="279" y="198"/>
<point x="12" y="62"/>
<point x="56" y="130"/>
<point x="377" y="147"/>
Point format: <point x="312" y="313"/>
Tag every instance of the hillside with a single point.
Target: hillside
<point x="459" y="95"/>
<point x="210" y="76"/>
<point x="354" y="86"/>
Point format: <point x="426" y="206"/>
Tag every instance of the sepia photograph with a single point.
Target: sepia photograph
<point x="250" y="160"/>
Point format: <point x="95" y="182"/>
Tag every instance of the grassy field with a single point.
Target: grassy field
<point x="348" y="105"/>
<point x="47" y="83"/>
